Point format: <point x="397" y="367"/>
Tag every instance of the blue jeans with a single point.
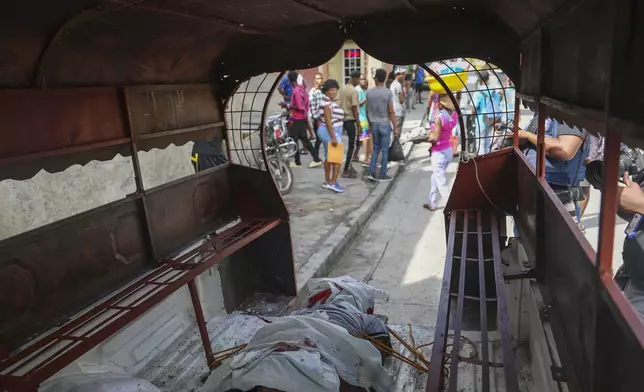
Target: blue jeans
<point x="381" y="133"/>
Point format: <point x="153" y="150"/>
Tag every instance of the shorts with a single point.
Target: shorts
<point x="325" y="137"/>
<point x="418" y="86"/>
<point x="365" y="130"/>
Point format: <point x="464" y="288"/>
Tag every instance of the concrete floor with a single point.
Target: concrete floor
<point x="402" y="249"/>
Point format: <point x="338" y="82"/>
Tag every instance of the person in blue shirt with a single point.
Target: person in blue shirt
<point x="487" y="107"/>
<point x="418" y="83"/>
<point x="285" y="89"/>
<point x="566" y="150"/>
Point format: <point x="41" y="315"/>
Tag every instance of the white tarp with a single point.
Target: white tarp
<point x="302" y="353"/>
<point x="345" y="290"/>
<point x="98" y="382"/>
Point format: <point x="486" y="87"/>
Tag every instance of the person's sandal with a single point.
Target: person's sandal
<point x="427" y="207"/>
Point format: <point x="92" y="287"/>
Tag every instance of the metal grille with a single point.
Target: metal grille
<point x="495" y="100"/>
<point x="352" y="62"/>
<point x="244" y="115"/>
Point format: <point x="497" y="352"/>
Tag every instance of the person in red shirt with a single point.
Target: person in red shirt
<point x="299" y="119"/>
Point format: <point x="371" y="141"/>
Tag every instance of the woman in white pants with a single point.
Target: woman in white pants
<point x="441" y="151"/>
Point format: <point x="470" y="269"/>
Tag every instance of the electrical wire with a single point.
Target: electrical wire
<point x="466" y="157"/>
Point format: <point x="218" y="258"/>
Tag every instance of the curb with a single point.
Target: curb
<point x="324" y="259"/>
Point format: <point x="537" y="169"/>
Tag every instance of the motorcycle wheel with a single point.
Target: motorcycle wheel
<point x="282" y="175"/>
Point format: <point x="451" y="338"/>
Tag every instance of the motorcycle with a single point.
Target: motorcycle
<point x="280" y="148"/>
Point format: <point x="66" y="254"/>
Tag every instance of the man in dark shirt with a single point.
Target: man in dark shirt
<point x="631" y="275"/>
<point x="207" y="154"/>
<point x="565" y="153"/>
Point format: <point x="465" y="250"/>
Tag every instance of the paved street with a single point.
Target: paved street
<point x="316" y="212"/>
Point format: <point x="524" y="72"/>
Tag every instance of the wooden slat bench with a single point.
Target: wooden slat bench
<point x="473" y="259"/>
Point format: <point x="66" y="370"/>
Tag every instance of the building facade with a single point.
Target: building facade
<point x="348" y="59"/>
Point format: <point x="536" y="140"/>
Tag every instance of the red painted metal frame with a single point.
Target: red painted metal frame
<point x="517" y="116"/>
<point x="541" y="146"/>
<point x="609" y="202"/>
<point x="201" y="322"/>
<point x="35" y="362"/>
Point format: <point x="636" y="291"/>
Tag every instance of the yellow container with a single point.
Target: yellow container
<point x="454" y="81"/>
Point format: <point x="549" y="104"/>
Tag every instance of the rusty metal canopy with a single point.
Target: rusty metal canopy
<point x="126" y="42"/>
<point x="565" y="53"/>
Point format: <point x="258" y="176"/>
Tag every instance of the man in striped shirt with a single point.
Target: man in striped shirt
<point x="315" y="97"/>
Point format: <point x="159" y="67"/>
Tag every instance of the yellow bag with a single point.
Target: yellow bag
<point x="454" y="81"/>
<point x="335" y="154"/>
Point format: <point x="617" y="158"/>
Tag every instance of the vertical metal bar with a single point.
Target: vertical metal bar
<point x="509" y="366"/>
<point x="138" y="180"/>
<point x="489" y="95"/>
<point x="541" y="146"/>
<point x="610" y="200"/>
<point x="435" y="375"/>
<point x="517" y="117"/>
<point x="201" y="322"/>
<point x="460" y="303"/>
<point x="263" y="118"/>
<point x="483" y="311"/>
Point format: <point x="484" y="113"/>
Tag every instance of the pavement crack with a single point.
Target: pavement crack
<point x="373" y="270"/>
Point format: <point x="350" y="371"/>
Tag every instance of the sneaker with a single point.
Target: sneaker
<point x="314" y="164"/>
<point x="336" y="188"/>
<point x="326" y="185"/>
<point x="385" y="178"/>
<point x="294" y="165"/>
<point x="372" y="177"/>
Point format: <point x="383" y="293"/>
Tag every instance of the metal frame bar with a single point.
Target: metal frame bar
<point x="541" y="146"/>
<point x="438" y="355"/>
<point x="434" y="377"/>
<point x="136" y="167"/>
<point x="31" y="357"/>
<point x="509" y="366"/>
<point x="201" y="323"/>
<point x="609" y="202"/>
<point x="485" y="376"/>
<point x="517" y="117"/>
<point x="460" y="303"/>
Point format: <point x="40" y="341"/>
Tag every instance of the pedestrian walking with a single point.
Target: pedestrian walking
<point x="440" y="135"/>
<point x="408" y="88"/>
<point x="399" y="98"/>
<point x="381" y="116"/>
<point x="299" y="118"/>
<point x="365" y="137"/>
<point x="330" y="131"/>
<point x="349" y="103"/>
<point x="418" y="83"/>
<point x="315" y="98"/>
<point x="285" y="89"/>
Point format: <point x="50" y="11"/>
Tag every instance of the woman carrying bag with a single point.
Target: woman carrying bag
<point x="330" y="132"/>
